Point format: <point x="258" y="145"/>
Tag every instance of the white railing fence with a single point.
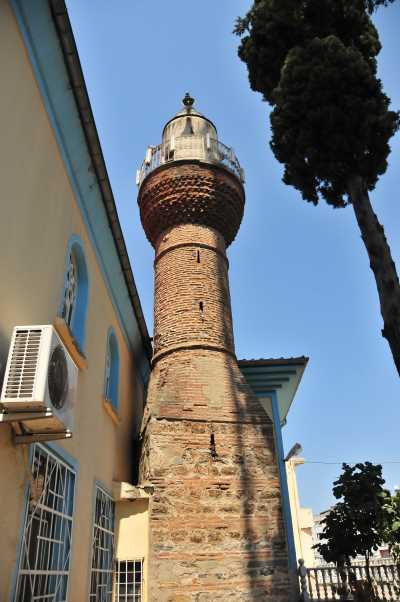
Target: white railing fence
<point x="328" y="583"/>
<point x="202" y="148"/>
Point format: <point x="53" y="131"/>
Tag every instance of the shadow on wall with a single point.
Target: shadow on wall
<point x="264" y="535"/>
<point x="263" y="528"/>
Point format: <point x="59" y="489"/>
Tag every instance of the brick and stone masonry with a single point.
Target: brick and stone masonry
<point x="216" y="526"/>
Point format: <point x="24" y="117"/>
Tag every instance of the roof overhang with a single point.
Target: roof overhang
<point x="49" y="41"/>
<point x="280" y="377"/>
<point x="78" y="86"/>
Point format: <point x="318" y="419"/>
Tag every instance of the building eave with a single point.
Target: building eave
<point x="78" y="85"/>
<point x="281" y="361"/>
<point x="275" y="376"/>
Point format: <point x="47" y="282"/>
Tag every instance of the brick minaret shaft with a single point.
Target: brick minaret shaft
<point x="216" y="528"/>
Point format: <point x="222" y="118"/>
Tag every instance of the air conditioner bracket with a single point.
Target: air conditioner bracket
<point x="37" y="437"/>
<point x="22" y="416"/>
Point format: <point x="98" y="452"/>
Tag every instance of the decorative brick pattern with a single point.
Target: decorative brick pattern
<point x="191" y="193"/>
<point x="216" y="528"/>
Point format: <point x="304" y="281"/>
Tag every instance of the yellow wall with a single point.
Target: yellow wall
<point x="302" y="518"/>
<point x="38" y="215"/>
<point x="132" y="534"/>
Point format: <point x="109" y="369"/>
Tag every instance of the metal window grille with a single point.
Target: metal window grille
<point x="101" y="577"/>
<point x="71" y="290"/>
<point x="46" y="542"/>
<point x="129" y="580"/>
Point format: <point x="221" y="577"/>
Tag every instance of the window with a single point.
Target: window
<point x="102" y="548"/>
<point x="111" y="381"/>
<point x="71" y="290"/>
<point x="129" y="580"/>
<point x="46" y="542"/>
<point x="75" y="291"/>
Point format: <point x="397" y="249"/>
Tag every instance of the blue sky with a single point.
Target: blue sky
<point x="300" y="278"/>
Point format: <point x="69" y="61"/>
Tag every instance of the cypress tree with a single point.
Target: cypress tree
<point x="314" y="61"/>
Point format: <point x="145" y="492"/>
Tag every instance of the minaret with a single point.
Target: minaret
<point x="216" y="527"/>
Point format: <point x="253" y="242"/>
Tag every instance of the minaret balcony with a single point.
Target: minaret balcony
<point x="190" y="147"/>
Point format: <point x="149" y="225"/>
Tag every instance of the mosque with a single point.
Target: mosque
<point x="134" y="469"/>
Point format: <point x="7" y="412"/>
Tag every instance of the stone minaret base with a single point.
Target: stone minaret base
<point x="216" y="529"/>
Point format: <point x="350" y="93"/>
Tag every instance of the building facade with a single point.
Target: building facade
<point x="63" y="263"/>
<point x="302" y="518"/>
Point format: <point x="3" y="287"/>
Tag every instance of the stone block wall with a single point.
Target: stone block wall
<point x="216" y="527"/>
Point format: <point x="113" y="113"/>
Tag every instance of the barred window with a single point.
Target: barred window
<point x="70" y="290"/>
<point x="111" y="381"/>
<point x="74" y="302"/>
<point x="101" y="577"/>
<point x="129" y="580"/>
<point x="46" y="542"/>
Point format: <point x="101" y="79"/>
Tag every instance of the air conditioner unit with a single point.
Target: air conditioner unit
<point x="40" y="381"/>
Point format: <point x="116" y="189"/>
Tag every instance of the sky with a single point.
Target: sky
<point x="299" y="275"/>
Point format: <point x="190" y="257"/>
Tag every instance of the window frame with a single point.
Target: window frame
<point x="112" y="370"/>
<point x="127" y="596"/>
<point x="102" y="496"/>
<point x="71" y="286"/>
<point x="77" y="324"/>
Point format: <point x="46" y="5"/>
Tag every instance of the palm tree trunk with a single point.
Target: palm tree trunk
<point x="381" y="263"/>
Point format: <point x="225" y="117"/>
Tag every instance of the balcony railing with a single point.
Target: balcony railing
<point x="202" y="148"/>
<point x="326" y="583"/>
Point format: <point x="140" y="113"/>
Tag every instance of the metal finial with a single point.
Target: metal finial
<point x="188" y="101"/>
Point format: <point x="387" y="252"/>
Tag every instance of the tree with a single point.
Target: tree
<point x="372" y="5"/>
<point x="392" y="531"/>
<point x="358" y="523"/>
<point x="314" y="61"/>
<point x="339" y="536"/>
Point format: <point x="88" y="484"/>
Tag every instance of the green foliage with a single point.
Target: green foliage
<point x="272" y="28"/>
<point x="357" y="524"/>
<point x="366" y="517"/>
<point x="372" y="5"/>
<point x="314" y="61"/>
<point x="392" y="531"/>
<point x="331" y="121"/>
<point x="340" y="536"/>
